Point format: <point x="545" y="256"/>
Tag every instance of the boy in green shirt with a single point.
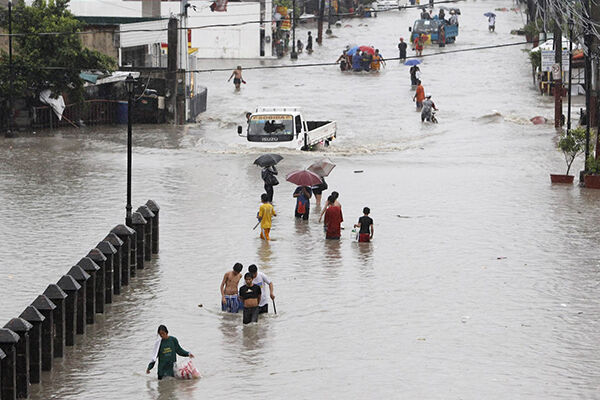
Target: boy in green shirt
<point x="166" y="350"/>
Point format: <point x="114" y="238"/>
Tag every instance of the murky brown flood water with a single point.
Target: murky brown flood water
<point x="482" y="281"/>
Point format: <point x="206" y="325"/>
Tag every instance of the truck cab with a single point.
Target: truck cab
<point x="431" y="28"/>
<point x="285" y="127"/>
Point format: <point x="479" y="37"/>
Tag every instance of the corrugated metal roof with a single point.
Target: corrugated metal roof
<point x="115" y="20"/>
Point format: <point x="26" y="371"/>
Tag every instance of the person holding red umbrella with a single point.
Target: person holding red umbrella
<point x="302" y="195"/>
<point x="304" y="179"/>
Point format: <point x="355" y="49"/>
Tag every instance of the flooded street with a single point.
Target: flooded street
<point x="482" y="281"/>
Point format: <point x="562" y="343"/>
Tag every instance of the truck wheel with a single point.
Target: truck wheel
<point x="327" y="143"/>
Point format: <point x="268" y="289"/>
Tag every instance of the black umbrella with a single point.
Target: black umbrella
<point x="267" y="160"/>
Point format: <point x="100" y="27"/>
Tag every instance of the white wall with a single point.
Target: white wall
<point x="144" y="38"/>
<point x="106" y="8"/>
<point x="223" y="42"/>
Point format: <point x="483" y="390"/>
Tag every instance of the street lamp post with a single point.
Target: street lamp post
<point x="328" y="31"/>
<point x="294" y="55"/>
<point x="10" y="72"/>
<point x="129" y="85"/>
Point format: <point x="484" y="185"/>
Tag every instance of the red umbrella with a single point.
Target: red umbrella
<point x="303" y="178"/>
<point x="368" y="49"/>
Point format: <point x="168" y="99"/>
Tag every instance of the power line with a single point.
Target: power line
<point x="387" y="59"/>
<point x="479" y="48"/>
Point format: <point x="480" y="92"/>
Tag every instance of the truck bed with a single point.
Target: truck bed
<point x="320" y="131"/>
<point x="312" y="125"/>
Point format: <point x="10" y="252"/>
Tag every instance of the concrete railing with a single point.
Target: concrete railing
<point x="29" y="343"/>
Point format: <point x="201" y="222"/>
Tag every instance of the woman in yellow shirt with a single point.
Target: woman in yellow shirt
<point x="265" y="213"/>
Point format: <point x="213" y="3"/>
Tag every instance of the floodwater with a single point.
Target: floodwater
<point x="482" y="281"/>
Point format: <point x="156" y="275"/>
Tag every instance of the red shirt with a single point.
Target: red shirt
<point x="333" y="219"/>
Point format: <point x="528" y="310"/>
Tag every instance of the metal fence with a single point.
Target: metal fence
<point x="198" y="104"/>
<point x="90" y="112"/>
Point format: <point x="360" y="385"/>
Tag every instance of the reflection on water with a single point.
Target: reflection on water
<point x="265" y="255"/>
<point x="365" y="252"/>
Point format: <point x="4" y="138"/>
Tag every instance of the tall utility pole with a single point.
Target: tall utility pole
<point x="321" y="14"/>
<point x="172" y="57"/>
<point x="328" y="31"/>
<point x="293" y="54"/>
<point x="558" y="84"/>
<point x="570" y="24"/>
<point x="587" y="39"/>
<point x="10" y="73"/>
<point x="594" y="12"/>
<point x="182" y="77"/>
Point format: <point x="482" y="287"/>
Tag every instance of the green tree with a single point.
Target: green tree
<point x="42" y="61"/>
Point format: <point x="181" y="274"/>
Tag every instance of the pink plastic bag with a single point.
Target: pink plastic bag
<point x="187" y="371"/>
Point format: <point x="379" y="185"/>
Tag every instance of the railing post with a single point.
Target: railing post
<point x="46" y="307"/>
<point x="35" y="318"/>
<point x="89" y="266"/>
<point x="81" y="277"/>
<point x="154" y="207"/>
<point x="56" y="294"/>
<point x="126" y="234"/>
<point x="148" y="216"/>
<point x="117" y="261"/>
<point x="21" y="328"/>
<point x="97" y="257"/>
<point x="138" y="224"/>
<point x="109" y="251"/>
<point x="8" y="379"/>
<point x="70" y="286"/>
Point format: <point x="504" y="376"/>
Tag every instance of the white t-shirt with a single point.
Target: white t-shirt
<point x="492" y="21"/>
<point x="263" y="282"/>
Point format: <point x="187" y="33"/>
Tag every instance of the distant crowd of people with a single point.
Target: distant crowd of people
<point x="366" y="60"/>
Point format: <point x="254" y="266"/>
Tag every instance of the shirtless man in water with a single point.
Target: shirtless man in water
<point x="230" y="300"/>
<point x="237" y="77"/>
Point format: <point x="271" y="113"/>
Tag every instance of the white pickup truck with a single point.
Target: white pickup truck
<point x="286" y="127"/>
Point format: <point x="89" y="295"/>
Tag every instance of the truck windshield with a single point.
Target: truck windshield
<point x="271" y="125"/>
<point x="426" y="26"/>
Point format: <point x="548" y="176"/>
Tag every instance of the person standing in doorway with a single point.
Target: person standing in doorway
<point x="166" y="350"/>
<point x="309" y="43"/>
<point x="250" y="294"/>
<point x="268" y="176"/>
<point x="266" y="212"/>
<point x="365" y="223"/>
<point x="302" y="195"/>
<point x="237" y="77"/>
<point x="402" y="50"/>
<point x="262" y="281"/>
<point x="230" y="300"/>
